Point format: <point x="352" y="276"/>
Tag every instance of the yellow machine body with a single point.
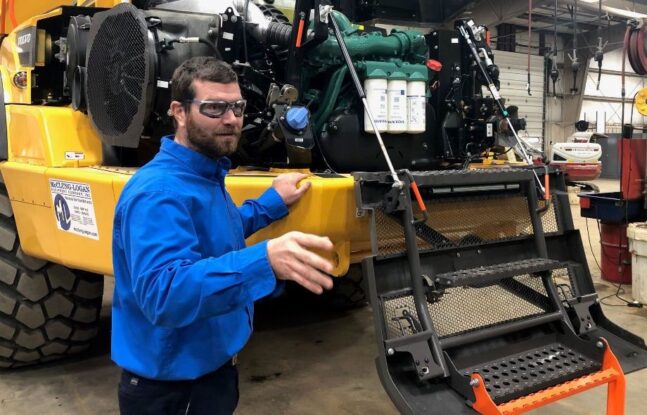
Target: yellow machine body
<point x="39" y="139"/>
<point x="47" y="143"/>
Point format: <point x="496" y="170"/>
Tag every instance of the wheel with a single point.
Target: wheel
<point x="348" y="292"/>
<point x="47" y="311"/>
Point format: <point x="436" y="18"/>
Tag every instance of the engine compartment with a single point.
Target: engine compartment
<point x="433" y="107"/>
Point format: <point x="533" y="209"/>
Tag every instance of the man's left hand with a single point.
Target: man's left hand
<point x="286" y="186"/>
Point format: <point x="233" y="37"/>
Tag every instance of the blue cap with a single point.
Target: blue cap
<point x="297" y="118"/>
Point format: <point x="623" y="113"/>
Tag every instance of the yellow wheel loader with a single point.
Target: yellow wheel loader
<point x="468" y="271"/>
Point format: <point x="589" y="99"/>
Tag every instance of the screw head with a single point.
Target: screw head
<point x="390" y="351"/>
<point x="599" y="344"/>
<point x="474" y="382"/>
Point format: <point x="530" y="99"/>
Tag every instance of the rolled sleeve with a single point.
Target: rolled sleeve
<point x="257" y="214"/>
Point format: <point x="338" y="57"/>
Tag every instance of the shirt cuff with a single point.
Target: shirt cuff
<point x="274" y="204"/>
<point x="262" y="281"/>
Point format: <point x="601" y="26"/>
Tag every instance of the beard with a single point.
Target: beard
<point x="213" y="143"/>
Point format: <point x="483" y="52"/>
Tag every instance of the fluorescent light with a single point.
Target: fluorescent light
<point x="622" y="12"/>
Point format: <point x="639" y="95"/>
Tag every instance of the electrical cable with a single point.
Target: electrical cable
<point x="619" y="290"/>
<point x="529" y="42"/>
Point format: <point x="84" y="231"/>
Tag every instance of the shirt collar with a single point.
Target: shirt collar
<point x="203" y="165"/>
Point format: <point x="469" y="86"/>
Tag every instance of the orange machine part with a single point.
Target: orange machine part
<point x="610" y="373"/>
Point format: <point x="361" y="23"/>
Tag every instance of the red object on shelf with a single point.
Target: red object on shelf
<point x="632" y="176"/>
<point x="579" y="172"/>
<point x="616" y="259"/>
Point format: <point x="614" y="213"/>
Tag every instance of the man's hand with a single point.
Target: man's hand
<point x="291" y="259"/>
<point x="286" y="186"/>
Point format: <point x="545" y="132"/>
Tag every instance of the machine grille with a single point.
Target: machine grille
<point x="511" y="299"/>
<point x="464" y="221"/>
<point x="119" y="67"/>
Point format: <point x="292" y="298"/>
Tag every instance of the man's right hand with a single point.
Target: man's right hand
<point x="291" y="258"/>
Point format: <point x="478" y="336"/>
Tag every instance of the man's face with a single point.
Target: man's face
<point x="214" y="137"/>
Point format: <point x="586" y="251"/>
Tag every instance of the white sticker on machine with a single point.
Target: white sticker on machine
<point x="73" y="208"/>
<point x="74" y="155"/>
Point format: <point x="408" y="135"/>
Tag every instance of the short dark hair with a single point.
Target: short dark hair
<point x="201" y="68"/>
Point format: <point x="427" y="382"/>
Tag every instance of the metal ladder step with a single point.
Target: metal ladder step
<point x="445" y="178"/>
<point x="526" y="372"/>
<point x="472" y="177"/>
<point x="493" y="273"/>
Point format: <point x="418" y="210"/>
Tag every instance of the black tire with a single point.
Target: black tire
<point x="348" y="292"/>
<point x="47" y="311"/>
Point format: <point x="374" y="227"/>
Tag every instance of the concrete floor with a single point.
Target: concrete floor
<point x="301" y="360"/>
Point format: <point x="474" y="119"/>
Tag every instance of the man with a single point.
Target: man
<point x="185" y="283"/>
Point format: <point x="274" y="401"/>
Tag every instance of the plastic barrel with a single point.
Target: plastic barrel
<point x="637" y="235"/>
<point x="616" y="259"/>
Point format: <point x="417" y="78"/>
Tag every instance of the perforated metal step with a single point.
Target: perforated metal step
<point x="483" y="275"/>
<point x="443" y="178"/>
<point x="530" y="371"/>
<point x="471" y="177"/>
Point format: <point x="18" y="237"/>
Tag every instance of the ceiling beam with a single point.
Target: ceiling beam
<point x="493" y="12"/>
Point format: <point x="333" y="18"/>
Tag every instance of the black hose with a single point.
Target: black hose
<point x="279" y="34"/>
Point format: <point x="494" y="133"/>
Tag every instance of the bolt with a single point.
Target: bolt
<point x="234" y="19"/>
<point x="474" y="382"/>
<point x="588" y="326"/>
<point x="435" y="47"/>
<point x="424" y="370"/>
<point x="599" y="344"/>
<point x="458" y="254"/>
<point x="426" y="360"/>
<point x="478" y="251"/>
<point x="390" y="351"/>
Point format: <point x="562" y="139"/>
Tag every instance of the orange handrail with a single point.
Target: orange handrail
<point x="11" y="10"/>
<point x="610" y="373"/>
<point x="3" y="7"/>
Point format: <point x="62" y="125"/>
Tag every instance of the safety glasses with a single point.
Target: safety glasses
<point x="216" y="109"/>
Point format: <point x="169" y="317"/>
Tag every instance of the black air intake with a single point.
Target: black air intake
<point x="120" y="73"/>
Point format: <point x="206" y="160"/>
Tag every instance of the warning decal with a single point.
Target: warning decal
<point x="73" y="208"/>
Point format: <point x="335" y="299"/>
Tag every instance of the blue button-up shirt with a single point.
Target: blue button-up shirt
<point x="185" y="283"/>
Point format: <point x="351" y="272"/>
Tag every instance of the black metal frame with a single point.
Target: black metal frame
<point x="423" y="372"/>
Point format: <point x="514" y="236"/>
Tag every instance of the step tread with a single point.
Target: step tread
<point x="456" y="177"/>
<point x="530" y="371"/>
<point x="497" y="271"/>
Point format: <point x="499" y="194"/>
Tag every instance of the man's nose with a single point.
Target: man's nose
<point x="228" y="117"/>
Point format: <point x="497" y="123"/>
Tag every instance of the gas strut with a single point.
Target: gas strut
<point x="497" y="97"/>
<point x="408" y="219"/>
<point x="360" y="91"/>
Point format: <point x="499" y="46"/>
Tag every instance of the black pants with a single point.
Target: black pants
<point x="215" y="393"/>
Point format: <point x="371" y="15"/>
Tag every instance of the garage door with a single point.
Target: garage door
<point x="513" y="76"/>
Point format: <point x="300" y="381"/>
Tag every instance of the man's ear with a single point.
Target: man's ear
<point x="178" y="112"/>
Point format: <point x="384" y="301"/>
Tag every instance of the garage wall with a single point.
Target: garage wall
<point x="605" y="104"/>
